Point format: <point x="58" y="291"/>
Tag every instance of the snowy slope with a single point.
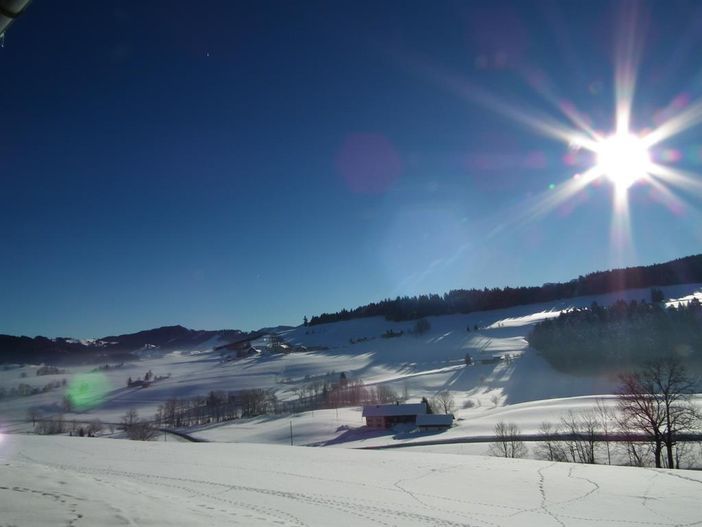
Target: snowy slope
<point x="423" y="364"/>
<point x="77" y="481"/>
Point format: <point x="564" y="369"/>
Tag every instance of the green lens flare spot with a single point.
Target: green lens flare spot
<point x="87" y="390"/>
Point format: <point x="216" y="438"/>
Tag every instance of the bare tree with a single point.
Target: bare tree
<point x="129" y="419"/>
<point x="94" y="427"/>
<point x="685" y="454"/>
<point x="33" y="414"/>
<point x="158" y="416"/>
<point x="508" y="442"/>
<point x="495" y="399"/>
<point x="670" y="381"/>
<point x="637" y="451"/>
<point x="656" y="402"/>
<point x="300" y="391"/>
<point x="142" y="430"/>
<point x="169" y="412"/>
<point x="551" y="448"/>
<point x="138" y="429"/>
<point x="581" y="431"/>
<point x="55" y="425"/>
<point x="385" y="394"/>
<point x="605" y="418"/>
<point x="315" y="388"/>
<point x="444" y="402"/>
<point x="641" y="412"/>
<point x="254" y="402"/>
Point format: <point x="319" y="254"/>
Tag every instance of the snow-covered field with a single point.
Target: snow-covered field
<point x="246" y="476"/>
<point x="81" y="481"/>
<point x="526" y="390"/>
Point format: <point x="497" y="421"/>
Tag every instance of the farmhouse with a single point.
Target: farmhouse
<point x="388" y="415"/>
<point x="241" y="351"/>
<point x="429" y="422"/>
<point x="242" y="344"/>
<point x="247" y="352"/>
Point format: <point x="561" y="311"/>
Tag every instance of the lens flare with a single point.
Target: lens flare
<point x="87" y="390"/>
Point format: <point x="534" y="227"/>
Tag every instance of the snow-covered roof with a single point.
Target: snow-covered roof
<point x="435" y="420"/>
<point x="391" y="410"/>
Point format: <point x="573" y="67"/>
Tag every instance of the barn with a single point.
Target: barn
<point x="389" y="415"/>
<point x="434" y="422"/>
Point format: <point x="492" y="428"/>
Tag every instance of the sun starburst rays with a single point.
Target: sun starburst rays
<point x="628" y="50"/>
<point x="677" y="124"/>
<point x="681" y="179"/>
<point x="626" y="156"/>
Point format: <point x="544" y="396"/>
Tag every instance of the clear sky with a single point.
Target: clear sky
<point x="243" y="164"/>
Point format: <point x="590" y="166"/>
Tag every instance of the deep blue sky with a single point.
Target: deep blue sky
<point x="242" y="164"/>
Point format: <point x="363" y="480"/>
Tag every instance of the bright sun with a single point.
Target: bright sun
<point x="624" y="159"/>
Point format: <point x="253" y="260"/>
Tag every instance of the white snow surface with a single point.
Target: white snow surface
<point x="83" y="481"/>
<point x="525" y="390"/>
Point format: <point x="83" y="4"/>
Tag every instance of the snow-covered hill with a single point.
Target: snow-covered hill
<point x="81" y="481"/>
<point x="423" y="365"/>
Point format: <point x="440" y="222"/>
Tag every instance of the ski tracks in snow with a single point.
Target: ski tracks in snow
<point x="66" y="500"/>
<point x="287" y="500"/>
<point x="201" y="494"/>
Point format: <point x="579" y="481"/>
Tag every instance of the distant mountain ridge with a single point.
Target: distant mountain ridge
<point x="169" y="337"/>
<point x="114" y="347"/>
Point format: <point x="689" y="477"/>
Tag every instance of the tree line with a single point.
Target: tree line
<point x="622" y="336"/>
<point x="680" y="271"/>
<point x="220" y="406"/>
<point x="26" y="390"/>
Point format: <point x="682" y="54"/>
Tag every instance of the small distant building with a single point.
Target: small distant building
<point x="247" y="352"/>
<point x="389" y="415"/>
<point x="240" y="349"/>
<point x="491" y="360"/>
<point x="139" y="384"/>
<point x="431" y="422"/>
<point x="239" y="345"/>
